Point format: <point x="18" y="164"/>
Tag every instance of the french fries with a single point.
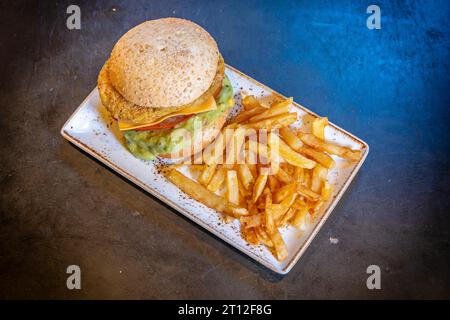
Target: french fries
<point x="278" y="210"/>
<point x="290" y="155"/>
<point x="263" y="237"/>
<point x="283" y="179"/>
<point x="277" y="109"/>
<point x="217" y="179"/>
<point x="307" y="193"/>
<point x="319" y="176"/>
<point x="318" y="127"/>
<point x="203" y="195"/>
<point x="207" y="174"/>
<point x="283" y="176"/>
<point x="300" y="215"/>
<point x="250" y="102"/>
<point x="327" y="190"/>
<point x="253" y="170"/>
<point x="259" y="150"/>
<point x="244" y="116"/>
<point x="234" y="150"/>
<point x="296" y="144"/>
<point x="243" y="193"/>
<point x="284" y="192"/>
<point x="259" y="186"/>
<point x="278" y="121"/>
<point x="318" y="156"/>
<point x="299" y="175"/>
<point x="245" y="175"/>
<point x="249" y="234"/>
<point x="274" y="184"/>
<point x="343" y="152"/>
<point x="196" y="167"/>
<point x="251" y="221"/>
<point x="279" y="246"/>
<point x="232" y="187"/>
<point x="291" y="138"/>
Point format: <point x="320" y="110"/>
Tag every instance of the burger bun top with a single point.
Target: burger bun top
<point x="163" y="63"/>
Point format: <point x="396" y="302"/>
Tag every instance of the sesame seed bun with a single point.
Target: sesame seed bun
<point x="163" y="63"/>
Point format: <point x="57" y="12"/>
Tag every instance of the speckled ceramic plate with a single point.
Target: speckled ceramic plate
<point x="92" y="129"/>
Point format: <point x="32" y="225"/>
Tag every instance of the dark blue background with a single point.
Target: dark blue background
<point x="389" y="87"/>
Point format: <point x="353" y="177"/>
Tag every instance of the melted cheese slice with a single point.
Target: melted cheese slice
<point x="209" y="104"/>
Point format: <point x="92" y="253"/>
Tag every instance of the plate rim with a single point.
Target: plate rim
<point x="293" y="261"/>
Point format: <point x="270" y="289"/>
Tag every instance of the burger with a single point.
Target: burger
<point x="165" y="78"/>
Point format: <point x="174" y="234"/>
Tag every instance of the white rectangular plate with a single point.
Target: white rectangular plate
<point x="93" y="130"/>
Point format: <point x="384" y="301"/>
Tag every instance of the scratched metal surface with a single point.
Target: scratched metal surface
<point x="390" y="87"/>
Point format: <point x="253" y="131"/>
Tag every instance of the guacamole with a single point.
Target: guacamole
<point x="147" y="145"/>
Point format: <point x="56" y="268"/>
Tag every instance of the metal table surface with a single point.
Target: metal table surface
<point x="390" y="87"/>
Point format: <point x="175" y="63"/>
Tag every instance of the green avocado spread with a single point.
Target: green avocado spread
<point x="147" y="145"/>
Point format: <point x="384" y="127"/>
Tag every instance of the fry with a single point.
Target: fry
<point x="318" y="177"/>
<point x="253" y="170"/>
<point x="232" y="187"/>
<point x="203" y="195"/>
<point x="251" y="221"/>
<point x="278" y="244"/>
<point x="227" y="219"/>
<point x="251" y="207"/>
<point x="318" y="127"/>
<point x="306" y="178"/>
<point x="217" y="179"/>
<point x="247" y="114"/>
<point x="258" y="188"/>
<point x="278" y="210"/>
<point x="249" y="234"/>
<point x="274" y="184"/>
<point x="283" y="176"/>
<point x="196" y="167"/>
<point x="298" y="174"/>
<point x="234" y="147"/>
<point x="284" y="192"/>
<point x="277" y="109"/>
<point x="290" y="155"/>
<point x="268" y="216"/>
<point x="207" y="174"/>
<point x="319" y="156"/>
<point x="261" y="151"/>
<point x="250" y="102"/>
<point x="243" y="192"/>
<point x="327" y="190"/>
<point x="317" y="206"/>
<point x="279" y="121"/>
<point x="288" y="168"/>
<point x="263" y="237"/>
<point x="340" y="151"/>
<point x="291" y="138"/>
<point x="352" y="155"/>
<point x="245" y="175"/>
<point x="286" y="217"/>
<point x="299" y="218"/>
<point x="307" y="193"/>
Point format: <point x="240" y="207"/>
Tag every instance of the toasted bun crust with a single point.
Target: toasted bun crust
<point x="210" y="132"/>
<point x="163" y="63"/>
